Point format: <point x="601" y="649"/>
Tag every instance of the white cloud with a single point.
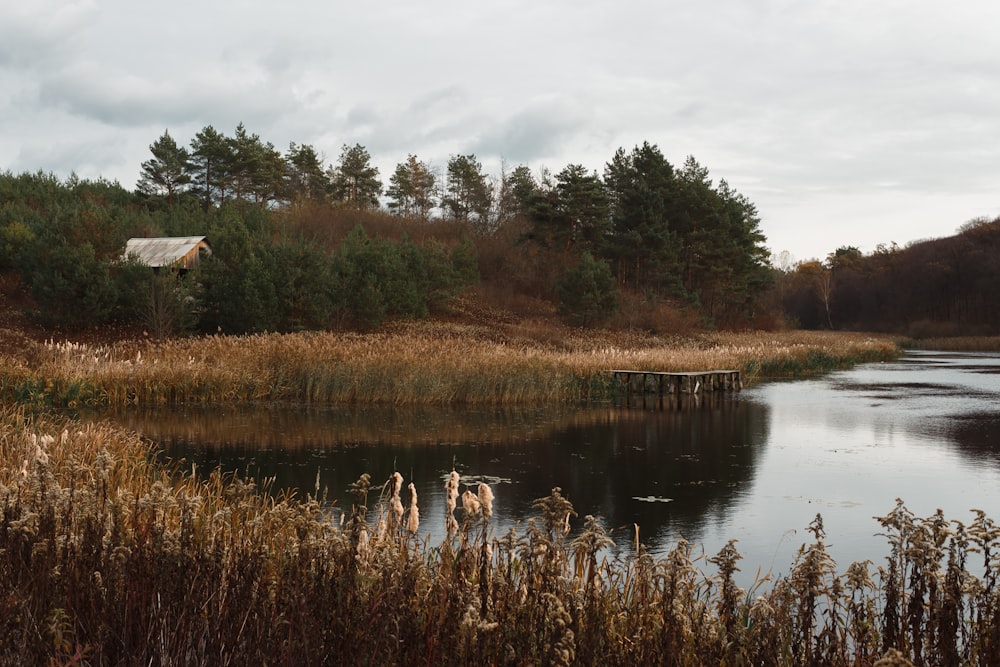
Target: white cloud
<point x="847" y="123"/>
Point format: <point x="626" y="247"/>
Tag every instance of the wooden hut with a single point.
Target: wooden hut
<point x="176" y="252"/>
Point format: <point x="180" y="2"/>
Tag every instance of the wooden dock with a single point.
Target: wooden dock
<point x="676" y="384"/>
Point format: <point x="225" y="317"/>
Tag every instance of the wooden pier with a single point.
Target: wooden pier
<point x="676" y="384"/>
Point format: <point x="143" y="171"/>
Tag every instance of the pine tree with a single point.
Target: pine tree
<point x="166" y="173"/>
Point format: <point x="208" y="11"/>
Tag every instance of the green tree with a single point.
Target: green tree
<point x="641" y="186"/>
<point x="167" y="173"/>
<point x="73" y="288"/>
<point x="514" y="194"/>
<point x="256" y="169"/>
<point x="587" y="294"/>
<point x="355" y="179"/>
<point x="358" y="284"/>
<point x="306" y="178"/>
<point x="583" y="207"/>
<point x="211" y="164"/>
<point x="412" y="189"/>
<point x="468" y="195"/>
<point x="239" y="283"/>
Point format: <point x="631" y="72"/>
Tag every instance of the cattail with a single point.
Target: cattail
<point x="381" y="530"/>
<point x="395" y="502"/>
<point x="470" y="503"/>
<point x="486" y="499"/>
<point x="451" y="489"/>
<point x="413" y="523"/>
<point x="363" y="550"/>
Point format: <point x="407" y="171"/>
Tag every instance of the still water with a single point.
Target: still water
<point x="756" y="466"/>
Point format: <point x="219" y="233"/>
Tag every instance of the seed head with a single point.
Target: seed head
<point x="413" y="523"/>
<point x="470" y="503"/>
<point x="486" y="499"/>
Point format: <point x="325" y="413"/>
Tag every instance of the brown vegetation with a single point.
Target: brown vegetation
<point x="110" y="560"/>
<point x="428" y="362"/>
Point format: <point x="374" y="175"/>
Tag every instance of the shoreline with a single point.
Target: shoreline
<point x="413" y="364"/>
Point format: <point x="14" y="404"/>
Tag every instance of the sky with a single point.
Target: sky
<point x="846" y="123"/>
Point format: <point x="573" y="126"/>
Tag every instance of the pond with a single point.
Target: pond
<point x="756" y="466"/>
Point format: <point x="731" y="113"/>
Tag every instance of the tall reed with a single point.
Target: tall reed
<point x="111" y="559"/>
<point x="429" y="363"/>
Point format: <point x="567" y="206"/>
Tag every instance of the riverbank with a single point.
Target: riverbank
<point x="954" y="344"/>
<point x="414" y="363"/>
<point x="111" y="559"/>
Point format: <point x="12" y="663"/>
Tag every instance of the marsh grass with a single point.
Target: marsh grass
<point x="428" y="363"/>
<point x="954" y="343"/>
<point x="110" y="559"/>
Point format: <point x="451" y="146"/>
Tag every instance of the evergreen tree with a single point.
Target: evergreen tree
<point x="355" y="180"/>
<point x="305" y="177"/>
<point x="641" y="186"/>
<point x="583" y="207"/>
<point x="587" y="295"/>
<point x="211" y="161"/>
<point x="412" y="189"/>
<point x="166" y="174"/>
<point x="468" y="195"/>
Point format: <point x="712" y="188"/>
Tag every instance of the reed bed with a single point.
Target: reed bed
<point x="110" y="559"/>
<point x="427" y="363"/>
<point x="954" y="343"/>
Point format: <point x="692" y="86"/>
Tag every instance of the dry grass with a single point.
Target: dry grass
<point x="955" y="344"/>
<point x="429" y="363"/>
<point x="110" y="560"/>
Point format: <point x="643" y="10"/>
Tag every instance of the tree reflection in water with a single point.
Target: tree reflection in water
<point x="669" y="468"/>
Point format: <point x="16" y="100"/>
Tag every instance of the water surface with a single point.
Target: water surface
<point x="756" y="466"/>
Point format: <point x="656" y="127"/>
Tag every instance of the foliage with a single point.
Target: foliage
<point x="378" y="278"/>
<point x="74" y="288"/>
<point x="666" y="234"/>
<point x="412" y="189"/>
<point x="306" y="180"/>
<point x="946" y="286"/>
<point x="167" y="172"/>
<point x="468" y="196"/>
<point x="587" y="295"/>
<point x="355" y="180"/>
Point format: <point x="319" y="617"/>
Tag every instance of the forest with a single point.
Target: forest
<point x="299" y="244"/>
<point x="932" y="288"/>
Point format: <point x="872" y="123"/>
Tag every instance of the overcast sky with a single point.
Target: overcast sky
<point x="855" y="122"/>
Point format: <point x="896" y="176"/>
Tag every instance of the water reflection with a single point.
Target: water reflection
<point x="670" y="469"/>
<point x="757" y="466"/>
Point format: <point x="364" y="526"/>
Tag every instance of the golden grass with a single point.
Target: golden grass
<point x="425" y="363"/>
<point x="954" y="344"/>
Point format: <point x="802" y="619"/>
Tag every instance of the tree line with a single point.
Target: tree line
<point x="298" y="243"/>
<point x="935" y="287"/>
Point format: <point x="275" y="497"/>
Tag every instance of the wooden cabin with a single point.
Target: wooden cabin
<point x="176" y="252"/>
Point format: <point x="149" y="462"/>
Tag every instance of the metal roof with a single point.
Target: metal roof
<point x="157" y="252"/>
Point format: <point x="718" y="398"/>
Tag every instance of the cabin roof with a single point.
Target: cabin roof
<point x="166" y="251"/>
